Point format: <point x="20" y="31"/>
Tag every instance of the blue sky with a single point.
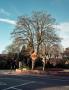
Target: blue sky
<point x="11" y="9"/>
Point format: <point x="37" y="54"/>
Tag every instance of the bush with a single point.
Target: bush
<point x="22" y="67"/>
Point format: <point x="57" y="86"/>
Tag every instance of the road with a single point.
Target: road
<point x="31" y="82"/>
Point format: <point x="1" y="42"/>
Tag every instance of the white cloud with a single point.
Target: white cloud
<point x="64" y="33"/>
<point x="64" y="26"/>
<point x="8" y="21"/>
<point x="64" y="29"/>
<point x="4" y="12"/>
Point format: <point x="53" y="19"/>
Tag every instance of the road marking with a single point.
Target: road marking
<point x="17" y="89"/>
<point x="19" y="85"/>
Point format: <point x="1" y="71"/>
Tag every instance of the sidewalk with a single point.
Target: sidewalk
<point x="6" y="72"/>
<point x="65" y="72"/>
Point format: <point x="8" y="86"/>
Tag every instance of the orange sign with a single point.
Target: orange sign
<point x="34" y="56"/>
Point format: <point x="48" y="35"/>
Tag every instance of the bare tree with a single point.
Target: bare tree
<point x="36" y="31"/>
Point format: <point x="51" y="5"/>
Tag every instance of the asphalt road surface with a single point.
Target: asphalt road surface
<point x="30" y="82"/>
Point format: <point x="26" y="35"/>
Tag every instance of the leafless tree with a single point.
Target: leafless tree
<point x="36" y="32"/>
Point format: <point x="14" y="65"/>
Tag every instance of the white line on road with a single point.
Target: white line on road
<point x="17" y="89"/>
<point x="20" y="85"/>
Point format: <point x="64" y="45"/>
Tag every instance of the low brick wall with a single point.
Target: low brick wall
<point x="30" y="71"/>
<point x="40" y="72"/>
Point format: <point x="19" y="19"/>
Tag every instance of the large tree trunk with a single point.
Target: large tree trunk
<point x="33" y="63"/>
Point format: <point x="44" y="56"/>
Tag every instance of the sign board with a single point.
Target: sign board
<point x="34" y="56"/>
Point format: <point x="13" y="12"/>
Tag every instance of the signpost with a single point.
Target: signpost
<point x="33" y="56"/>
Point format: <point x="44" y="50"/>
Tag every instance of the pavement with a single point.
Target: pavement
<point x="64" y="72"/>
<point x="6" y="72"/>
